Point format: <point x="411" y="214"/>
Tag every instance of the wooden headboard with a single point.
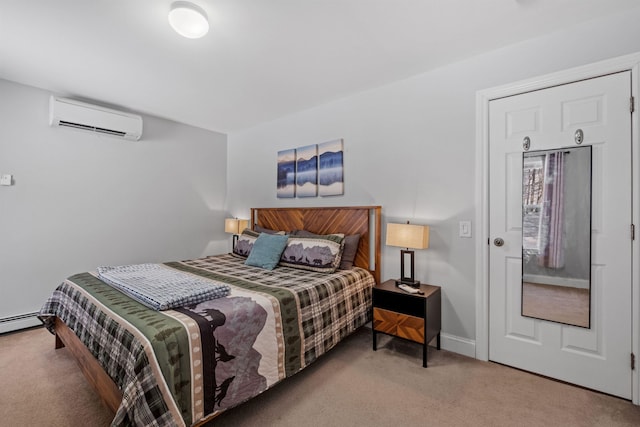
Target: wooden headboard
<point x="363" y="220"/>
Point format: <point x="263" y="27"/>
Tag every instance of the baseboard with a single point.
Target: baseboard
<point x="464" y="346"/>
<point x="452" y="343"/>
<point x="14" y="323"/>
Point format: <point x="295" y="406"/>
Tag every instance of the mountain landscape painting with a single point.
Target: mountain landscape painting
<point x="307" y="171"/>
<point x="311" y="171"/>
<point x="286" y="174"/>
<point x="330" y="168"/>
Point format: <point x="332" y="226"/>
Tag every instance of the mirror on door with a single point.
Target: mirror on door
<point x="556" y="235"/>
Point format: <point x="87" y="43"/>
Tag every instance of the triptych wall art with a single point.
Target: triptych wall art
<point x="311" y="171"/>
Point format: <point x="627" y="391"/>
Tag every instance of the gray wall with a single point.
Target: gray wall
<point x="410" y="147"/>
<point x="81" y="201"/>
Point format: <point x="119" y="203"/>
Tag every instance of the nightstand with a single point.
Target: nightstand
<point x="412" y="317"/>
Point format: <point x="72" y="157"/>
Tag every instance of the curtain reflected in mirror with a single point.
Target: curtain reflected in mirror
<point x="556" y="235"/>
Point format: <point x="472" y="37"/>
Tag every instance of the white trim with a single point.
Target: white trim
<point x="482" y="225"/>
<point x="623" y="63"/>
<point x="459" y="345"/>
<point x="635" y="251"/>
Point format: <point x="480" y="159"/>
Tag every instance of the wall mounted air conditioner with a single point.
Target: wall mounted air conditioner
<point x="78" y="115"/>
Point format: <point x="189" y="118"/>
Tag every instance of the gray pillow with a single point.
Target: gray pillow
<point x="349" y="251"/>
<point x="266" y="230"/>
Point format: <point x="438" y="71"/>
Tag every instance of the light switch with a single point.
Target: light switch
<point x="6" y="179"/>
<point x="465" y="229"/>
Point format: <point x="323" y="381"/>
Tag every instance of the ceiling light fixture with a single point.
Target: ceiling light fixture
<point x="188" y="19"/>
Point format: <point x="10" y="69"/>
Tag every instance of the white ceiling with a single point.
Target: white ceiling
<point x="262" y="59"/>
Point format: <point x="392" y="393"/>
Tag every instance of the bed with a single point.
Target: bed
<point x="187" y="364"/>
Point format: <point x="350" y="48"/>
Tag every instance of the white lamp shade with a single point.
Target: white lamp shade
<point x="408" y="236"/>
<point x="235" y="225"/>
<point x="188" y="19"/>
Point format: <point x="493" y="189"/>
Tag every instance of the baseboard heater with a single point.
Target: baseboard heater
<point x="21" y="321"/>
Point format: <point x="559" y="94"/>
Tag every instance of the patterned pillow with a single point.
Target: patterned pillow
<point x="315" y="253"/>
<point x="245" y="243"/>
<point x="348" y="253"/>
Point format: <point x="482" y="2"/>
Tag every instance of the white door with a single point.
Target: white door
<point x="600" y="357"/>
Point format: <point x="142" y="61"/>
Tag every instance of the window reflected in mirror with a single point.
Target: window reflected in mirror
<point x="556" y="235"/>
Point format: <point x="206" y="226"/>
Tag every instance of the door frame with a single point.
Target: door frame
<point x="624" y="63"/>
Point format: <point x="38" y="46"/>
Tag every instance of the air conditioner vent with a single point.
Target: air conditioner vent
<point x="78" y="115"/>
<point x="92" y="128"/>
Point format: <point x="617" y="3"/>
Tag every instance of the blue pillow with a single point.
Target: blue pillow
<point x="266" y="250"/>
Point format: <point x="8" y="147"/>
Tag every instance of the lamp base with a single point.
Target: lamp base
<point x="409" y="282"/>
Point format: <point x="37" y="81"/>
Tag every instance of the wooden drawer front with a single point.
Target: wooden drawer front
<point x="400" y="325"/>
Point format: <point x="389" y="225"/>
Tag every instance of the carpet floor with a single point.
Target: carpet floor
<point x="350" y="386"/>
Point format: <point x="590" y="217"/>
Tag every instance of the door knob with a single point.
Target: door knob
<point x="498" y="241"/>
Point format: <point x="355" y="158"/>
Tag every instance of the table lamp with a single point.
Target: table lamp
<point x="235" y="226"/>
<point x="409" y="236"/>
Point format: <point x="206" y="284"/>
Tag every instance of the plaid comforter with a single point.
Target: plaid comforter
<point x="182" y="366"/>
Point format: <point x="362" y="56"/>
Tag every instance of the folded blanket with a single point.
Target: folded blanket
<point x="161" y="287"/>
